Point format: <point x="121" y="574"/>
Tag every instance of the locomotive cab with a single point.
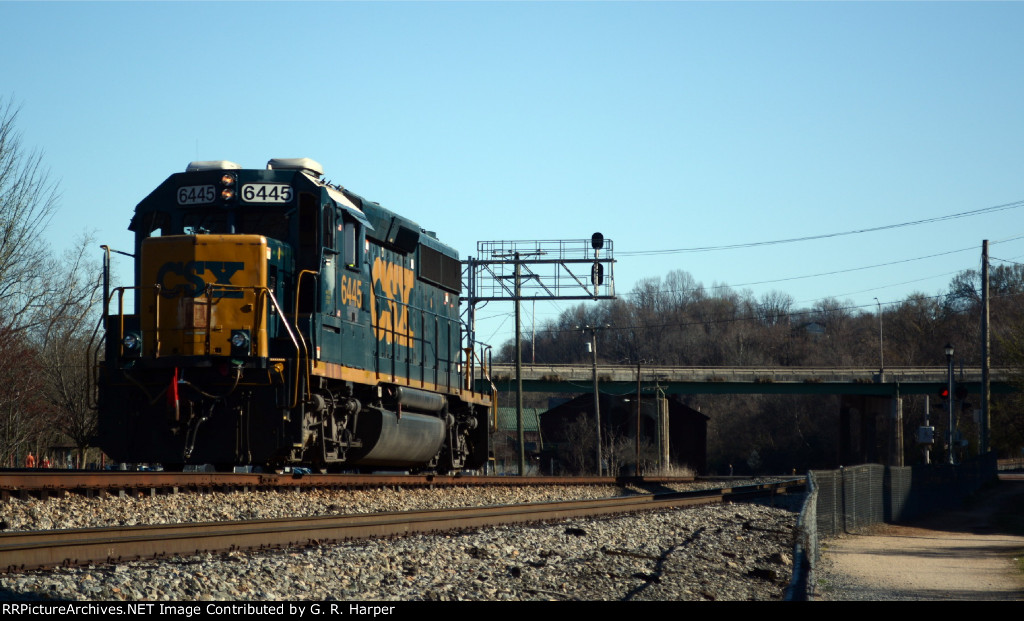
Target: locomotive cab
<point x="278" y="320"/>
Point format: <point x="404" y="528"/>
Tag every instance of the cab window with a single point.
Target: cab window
<point x="350" y="244"/>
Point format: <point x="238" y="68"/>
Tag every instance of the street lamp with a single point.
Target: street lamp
<point x="949" y="401"/>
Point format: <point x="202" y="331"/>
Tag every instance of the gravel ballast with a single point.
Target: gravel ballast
<point x="719" y="552"/>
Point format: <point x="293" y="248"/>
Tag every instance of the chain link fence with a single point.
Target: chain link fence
<point x="852" y="500"/>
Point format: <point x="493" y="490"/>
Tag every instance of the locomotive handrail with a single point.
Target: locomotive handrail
<point x="305" y="346"/>
<point x="471" y="357"/>
<point x="119" y="292"/>
<point x="284" y="318"/>
<point x="261" y="292"/>
<point x="380" y="330"/>
<point x="92" y="359"/>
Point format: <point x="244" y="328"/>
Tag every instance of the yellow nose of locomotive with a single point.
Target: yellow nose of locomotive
<point x="208" y="298"/>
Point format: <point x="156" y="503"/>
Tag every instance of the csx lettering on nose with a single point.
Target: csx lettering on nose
<point x="186" y="277"/>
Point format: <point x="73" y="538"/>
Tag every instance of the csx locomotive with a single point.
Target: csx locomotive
<point x="282" y="320"/>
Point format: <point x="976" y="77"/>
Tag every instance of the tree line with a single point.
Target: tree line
<point x="676" y="320"/>
<point x="48" y="309"/>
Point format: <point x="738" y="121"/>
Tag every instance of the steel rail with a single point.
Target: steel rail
<point x="45" y="483"/>
<point x="22" y="551"/>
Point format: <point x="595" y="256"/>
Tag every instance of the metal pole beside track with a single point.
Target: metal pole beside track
<point x="519" y="372"/>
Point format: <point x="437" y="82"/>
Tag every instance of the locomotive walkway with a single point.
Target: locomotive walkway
<point x="972" y="554"/>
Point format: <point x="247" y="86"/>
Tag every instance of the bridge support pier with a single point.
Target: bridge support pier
<point x="871" y="430"/>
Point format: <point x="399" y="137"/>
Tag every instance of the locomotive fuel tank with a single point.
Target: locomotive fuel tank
<point x="405" y="441"/>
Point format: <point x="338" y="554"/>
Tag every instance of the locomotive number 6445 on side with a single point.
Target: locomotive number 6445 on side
<point x="277" y="319"/>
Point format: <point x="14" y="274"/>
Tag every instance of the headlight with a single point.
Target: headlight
<point x="131" y="344"/>
<point x="227" y="189"/>
<point x="240" y="341"/>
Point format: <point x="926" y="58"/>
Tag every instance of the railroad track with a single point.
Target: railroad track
<point x="22" y="551"/>
<point x="25" y="484"/>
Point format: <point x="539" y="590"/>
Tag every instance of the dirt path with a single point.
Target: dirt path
<point x="976" y="553"/>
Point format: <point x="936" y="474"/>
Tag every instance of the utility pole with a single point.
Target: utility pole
<point x="663" y="425"/>
<point x="597" y="395"/>
<point x="519" y="372"/>
<point x="949" y="403"/>
<point x="553" y="271"/>
<point x="986" y="360"/>
<point x="637" y="433"/>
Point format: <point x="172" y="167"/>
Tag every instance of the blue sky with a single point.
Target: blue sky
<point x="664" y="125"/>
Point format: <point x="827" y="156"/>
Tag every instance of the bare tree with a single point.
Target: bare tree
<point x="914" y="329"/>
<point x="1007" y="423"/>
<point x="774" y="308"/>
<point x="619" y="451"/>
<point x="31" y="291"/>
<point x="28" y="200"/>
<point x="63" y="339"/>
<point x="22" y="414"/>
<point x="577" y="454"/>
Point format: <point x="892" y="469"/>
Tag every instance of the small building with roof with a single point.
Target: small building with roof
<point x="505" y="441"/>
<point x="673" y="436"/>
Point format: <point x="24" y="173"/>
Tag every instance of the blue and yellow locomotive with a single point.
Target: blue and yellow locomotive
<point x="281" y="320"/>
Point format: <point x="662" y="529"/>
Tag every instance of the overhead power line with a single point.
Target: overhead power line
<point x="802" y="313"/>
<point x="1006" y="261"/>
<point x="832" y="273"/>
<point x="964" y="214"/>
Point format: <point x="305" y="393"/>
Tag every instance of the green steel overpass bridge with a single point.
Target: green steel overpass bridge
<point x="870" y="405"/>
<point x="623" y="379"/>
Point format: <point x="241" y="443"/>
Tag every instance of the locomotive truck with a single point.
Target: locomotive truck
<point x="278" y="319"/>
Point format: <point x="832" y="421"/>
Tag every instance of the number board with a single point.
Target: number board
<point x="196" y="194"/>
<point x="266" y="193"/>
